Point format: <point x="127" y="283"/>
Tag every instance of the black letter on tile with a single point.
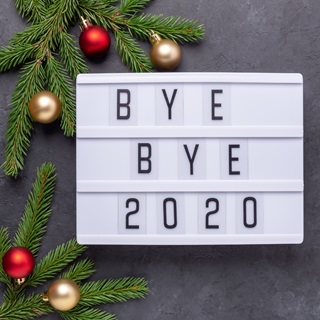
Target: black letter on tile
<point x="216" y="201"/>
<point x="136" y="201"/>
<point x="169" y="104"/>
<point x="145" y="158"/>
<point x="232" y="159"/>
<point x="165" y="220"/>
<point x="215" y="105"/>
<point x="124" y="105"/>
<point x="191" y="159"/>
<point x="245" y="222"/>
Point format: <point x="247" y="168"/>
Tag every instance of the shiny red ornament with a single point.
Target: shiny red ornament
<point x="94" y="41"/>
<point x="18" y="262"/>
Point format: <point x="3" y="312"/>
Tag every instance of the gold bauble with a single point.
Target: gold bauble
<point x="45" y="107"/>
<point x="63" y="294"/>
<point x="165" y="54"/>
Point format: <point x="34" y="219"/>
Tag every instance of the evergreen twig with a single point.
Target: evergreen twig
<point x="112" y="291"/>
<point x="60" y="83"/>
<point x="37" y="210"/>
<point x="24" y="308"/>
<point x="131" y="53"/>
<point x="79" y="271"/>
<point x="33" y="9"/>
<point x="5" y="245"/>
<point x="86" y="314"/>
<point x="54" y="262"/>
<point x="19" y="122"/>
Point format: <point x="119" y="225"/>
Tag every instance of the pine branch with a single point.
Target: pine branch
<point x="131" y="7"/>
<point x="31" y="34"/>
<point x="24" y="308"/>
<point x="70" y="55"/>
<point x="86" y="314"/>
<point x="112" y="291"/>
<point x="174" y="28"/>
<point x="131" y="53"/>
<point x="35" y="9"/>
<point x="37" y="210"/>
<point x="60" y="83"/>
<point x="12" y="56"/>
<point x="99" y="12"/>
<point x="80" y="271"/>
<point x="5" y="245"/>
<point x="54" y="262"/>
<point x="19" y="122"/>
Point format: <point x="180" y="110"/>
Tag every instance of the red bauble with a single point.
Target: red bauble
<point x="18" y="262"/>
<point x="94" y="41"/>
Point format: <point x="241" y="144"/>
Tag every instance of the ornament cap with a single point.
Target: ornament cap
<point x="84" y="24"/>
<point x="19" y="281"/>
<point x="154" y="37"/>
<point x="45" y="297"/>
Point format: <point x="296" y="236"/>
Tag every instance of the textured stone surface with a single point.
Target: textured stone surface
<point x="230" y="282"/>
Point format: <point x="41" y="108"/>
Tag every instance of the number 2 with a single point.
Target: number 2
<point x="216" y="201"/>
<point x="130" y="213"/>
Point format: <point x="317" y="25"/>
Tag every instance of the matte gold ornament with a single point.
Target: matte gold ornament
<point x="45" y="107"/>
<point x="63" y="294"/>
<point x="165" y="54"/>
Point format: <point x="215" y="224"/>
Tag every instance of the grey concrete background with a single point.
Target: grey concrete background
<point x="199" y="282"/>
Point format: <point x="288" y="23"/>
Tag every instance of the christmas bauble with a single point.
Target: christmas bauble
<point x="45" y="107"/>
<point x="94" y="40"/>
<point x="63" y="294"/>
<point x="165" y="54"/>
<point x="18" y="262"/>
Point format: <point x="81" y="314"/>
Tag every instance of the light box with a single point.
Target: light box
<point x="189" y="158"/>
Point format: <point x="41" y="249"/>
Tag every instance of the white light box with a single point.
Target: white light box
<point x="189" y="158"/>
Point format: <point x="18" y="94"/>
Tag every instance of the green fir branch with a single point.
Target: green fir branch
<point x="5" y="245"/>
<point x="37" y="210"/>
<point x="131" y="7"/>
<point x="60" y="83"/>
<point x="31" y="34"/>
<point x="174" y="28"/>
<point x="19" y="123"/>
<point x="13" y="56"/>
<point x="131" y="53"/>
<point x="112" y="291"/>
<point x="24" y="307"/>
<point x="34" y="9"/>
<point x="54" y="262"/>
<point x="70" y="55"/>
<point x="80" y="271"/>
<point x="99" y="12"/>
<point x="86" y="314"/>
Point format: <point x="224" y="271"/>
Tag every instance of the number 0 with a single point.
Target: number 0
<point x="245" y="215"/>
<point x="165" y="218"/>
